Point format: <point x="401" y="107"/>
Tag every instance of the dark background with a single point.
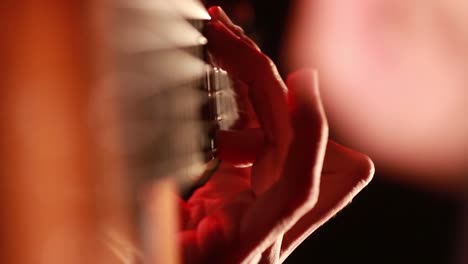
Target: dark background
<point x="385" y="223"/>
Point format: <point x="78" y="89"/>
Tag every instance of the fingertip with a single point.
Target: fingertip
<point x="189" y="243"/>
<point x="304" y="102"/>
<point x="366" y="169"/>
<point x="233" y="52"/>
<point x="214" y="12"/>
<point x="216" y="29"/>
<point x="362" y="166"/>
<point x="304" y="81"/>
<point x="217" y="13"/>
<point x="298" y="83"/>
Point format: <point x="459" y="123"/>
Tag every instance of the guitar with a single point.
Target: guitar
<point x="103" y="103"/>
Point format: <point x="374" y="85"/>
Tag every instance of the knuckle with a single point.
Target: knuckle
<point x="310" y="198"/>
<point x="319" y="123"/>
<point x="323" y="130"/>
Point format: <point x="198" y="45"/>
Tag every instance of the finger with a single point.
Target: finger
<point x="345" y="173"/>
<point x="247" y="117"/>
<point x="266" y="89"/>
<point x="267" y="94"/>
<point x="239" y="147"/>
<point x="272" y="254"/>
<point x="184" y="213"/>
<point x="228" y="184"/>
<point x="217" y="13"/>
<point x="216" y="232"/>
<point x="188" y="242"/>
<point x="296" y="192"/>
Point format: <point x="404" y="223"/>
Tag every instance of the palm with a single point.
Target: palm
<point x="211" y="216"/>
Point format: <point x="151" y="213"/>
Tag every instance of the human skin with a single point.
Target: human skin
<point x="298" y="178"/>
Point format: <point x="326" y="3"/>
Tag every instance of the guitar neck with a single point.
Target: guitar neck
<point x="172" y="100"/>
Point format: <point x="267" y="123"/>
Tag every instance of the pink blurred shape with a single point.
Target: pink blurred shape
<point x="393" y="80"/>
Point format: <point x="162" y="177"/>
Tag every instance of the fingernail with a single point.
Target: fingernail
<point x="239" y="29"/>
<point x="223" y="14"/>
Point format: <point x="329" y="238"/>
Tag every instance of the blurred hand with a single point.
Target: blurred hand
<point x="298" y="178"/>
<point x="397" y="88"/>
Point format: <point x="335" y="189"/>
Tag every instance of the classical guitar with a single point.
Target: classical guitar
<point x="102" y="101"/>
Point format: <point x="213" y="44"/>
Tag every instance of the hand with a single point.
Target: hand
<point x="299" y="178"/>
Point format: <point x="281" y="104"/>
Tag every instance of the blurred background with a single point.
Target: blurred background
<point x="393" y="81"/>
